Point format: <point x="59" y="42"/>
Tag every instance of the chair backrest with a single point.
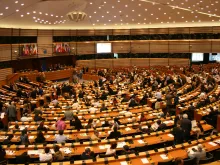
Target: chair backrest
<point x="208" y="159"/>
<point x="190" y="161"/>
<point x="4" y="162"/>
<point x="217" y="155"/>
<point x="166" y="163"/>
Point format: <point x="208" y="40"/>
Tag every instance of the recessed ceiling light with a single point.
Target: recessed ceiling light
<point x="16" y="1"/>
<point x="22" y="4"/>
<point x="40" y="12"/>
<point x="17" y="10"/>
<point x="6" y="7"/>
<point x="93" y="24"/>
<point x="34" y="12"/>
<point x="1" y="13"/>
<point x="22" y="15"/>
<point x="28" y="13"/>
<point x="90" y="3"/>
<point x="46" y="14"/>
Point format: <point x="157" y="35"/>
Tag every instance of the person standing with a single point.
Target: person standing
<point x="11" y="112"/>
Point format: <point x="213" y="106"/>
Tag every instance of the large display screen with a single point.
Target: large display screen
<point x="103" y="48"/>
<point x="197" y="57"/>
<point x="214" y="57"/>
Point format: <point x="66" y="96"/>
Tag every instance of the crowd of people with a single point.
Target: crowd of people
<point x="111" y="87"/>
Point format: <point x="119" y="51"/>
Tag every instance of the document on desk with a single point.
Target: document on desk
<point x="127" y="129"/>
<point x="33" y="152"/>
<point x="141" y="141"/>
<point x="170" y="135"/>
<point x="8" y="152"/>
<point x="31" y="137"/>
<point x="194" y="124"/>
<point x="47" y="136"/>
<point x="121" y="144"/>
<point x="124" y="163"/>
<point x="164" y="156"/>
<point x="212" y="143"/>
<point x="101" y="147"/>
<point x="144" y="160"/>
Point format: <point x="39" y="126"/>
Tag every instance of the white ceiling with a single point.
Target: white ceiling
<point x="109" y="14"/>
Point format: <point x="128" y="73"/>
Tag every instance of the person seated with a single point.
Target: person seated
<point x="60" y="124"/>
<point x="25" y="117"/>
<point x="90" y="124"/>
<point x="103" y="108"/>
<point x="92" y="109"/>
<point x="88" y="154"/>
<point x="8" y="140"/>
<point x="199" y="153"/>
<point x="162" y="126"/>
<point x="38" y="111"/>
<point x="41" y="127"/>
<point x="40" y="138"/>
<point x="60" y="138"/>
<point x="24" y="138"/>
<point x="95" y="136"/>
<point x="142" y="118"/>
<point x="58" y="155"/>
<point x="127" y="150"/>
<point x="46" y="105"/>
<point x="46" y="156"/>
<point x="132" y="103"/>
<point x="2" y="154"/>
<point x="68" y="114"/>
<point x="38" y="117"/>
<point x="124" y="100"/>
<point x="178" y="161"/>
<point x="76" y="123"/>
<point x="57" y="106"/>
<point x="114" y="134"/>
<point x="106" y="124"/>
<point x="112" y="149"/>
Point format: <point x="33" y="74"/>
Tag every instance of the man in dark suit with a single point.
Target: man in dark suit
<point x="186" y="125"/>
<point x="190" y="111"/>
<point x="114" y="134"/>
<point x="178" y="134"/>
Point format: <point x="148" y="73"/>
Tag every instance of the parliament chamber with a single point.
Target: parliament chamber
<point x="120" y="82"/>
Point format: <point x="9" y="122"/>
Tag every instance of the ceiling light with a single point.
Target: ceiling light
<point x="1" y="13"/>
<point x="6" y="8"/>
<point x="17" y="10"/>
<point x="22" y="15"/>
<point x="16" y="1"/>
<point x="22" y="4"/>
<point x="28" y="13"/>
<point x="76" y="16"/>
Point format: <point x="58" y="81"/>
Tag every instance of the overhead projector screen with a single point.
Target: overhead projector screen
<point x="197" y="57"/>
<point x="103" y="48"/>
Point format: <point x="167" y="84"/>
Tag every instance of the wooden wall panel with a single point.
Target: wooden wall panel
<point x="179" y="61"/>
<point x="104" y="63"/>
<point x="4" y="73"/>
<point x="120" y="47"/>
<point x="140" y="47"/>
<point x="45" y="46"/>
<point x="158" y="46"/>
<point x="158" y="61"/>
<point x="73" y="33"/>
<point x="61" y="33"/>
<point x="86" y="48"/>
<point x="128" y="62"/>
<point x="215" y="46"/>
<point x="178" y="46"/>
<point x="123" y="62"/>
<point x="179" y="30"/>
<point x="15" y="32"/>
<point x="85" y="32"/>
<point x="5" y="52"/>
<point x="121" y="32"/>
<point x="5" y="32"/>
<point x="28" y="32"/>
<point x="15" y="51"/>
<point x="139" y="31"/>
<point x="73" y="48"/>
<point x="216" y="29"/>
<point x="158" y="31"/>
<point x="203" y="46"/>
<point x="45" y="33"/>
<point x="142" y="62"/>
<point x="103" y="32"/>
<point x="201" y="30"/>
<point x="87" y="63"/>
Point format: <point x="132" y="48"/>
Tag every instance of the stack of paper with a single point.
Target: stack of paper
<point x="31" y="137"/>
<point x="213" y="144"/>
<point x="170" y="135"/>
<point x="8" y="152"/>
<point x="124" y="163"/>
<point x="127" y="129"/>
<point x="141" y="141"/>
<point x="120" y="144"/>
<point x="144" y="160"/>
<point x="163" y="156"/>
<point x="33" y="152"/>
